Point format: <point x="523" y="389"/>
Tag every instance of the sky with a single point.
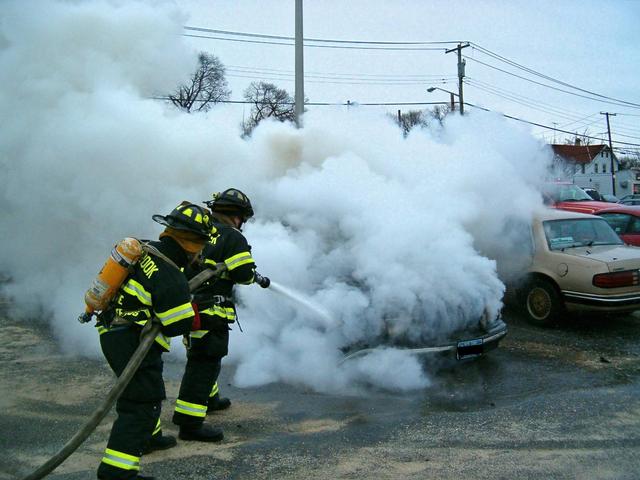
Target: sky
<point x="387" y="235"/>
<point x="591" y="45"/>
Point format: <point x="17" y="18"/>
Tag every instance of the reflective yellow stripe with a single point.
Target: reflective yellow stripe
<point x="163" y="341"/>
<point x="101" y="329"/>
<point x="176" y="314"/>
<point x="137" y="290"/>
<point x="237" y="260"/>
<point x="228" y="313"/>
<point x="121" y="460"/>
<point x="214" y="390"/>
<point x="158" y="428"/>
<point x="191" y="409"/>
<point x="198" y="333"/>
<point x="133" y="315"/>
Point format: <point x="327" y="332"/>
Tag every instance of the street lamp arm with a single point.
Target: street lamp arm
<point x="433" y="89"/>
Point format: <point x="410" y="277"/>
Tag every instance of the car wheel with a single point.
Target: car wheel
<point x="542" y="303"/>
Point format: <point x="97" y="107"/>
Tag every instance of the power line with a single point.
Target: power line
<point x="354" y="104"/>
<point x="322" y="40"/>
<point x="427" y="77"/>
<point x="271" y="74"/>
<point x="522" y="100"/>
<point x="531" y="104"/>
<point x="546" y="77"/>
<point x="325" y="104"/>
<point x="274" y="76"/>
<point x="548" y="86"/>
<point x="314" y="46"/>
<point x="407" y="45"/>
<point x="547" y="126"/>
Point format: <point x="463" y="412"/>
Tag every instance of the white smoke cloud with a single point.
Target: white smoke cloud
<point x="382" y="232"/>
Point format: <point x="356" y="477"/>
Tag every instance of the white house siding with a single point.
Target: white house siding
<point x="627" y="181"/>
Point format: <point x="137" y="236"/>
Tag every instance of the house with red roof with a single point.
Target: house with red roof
<point x="591" y="166"/>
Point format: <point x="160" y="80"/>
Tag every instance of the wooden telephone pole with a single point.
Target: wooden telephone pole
<point x="613" y="173"/>
<point x="461" y="64"/>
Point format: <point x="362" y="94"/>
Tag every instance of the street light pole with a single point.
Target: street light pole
<point x="451" y="94"/>
<point x="299" y="94"/>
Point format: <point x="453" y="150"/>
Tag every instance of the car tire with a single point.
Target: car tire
<point x="542" y="303"/>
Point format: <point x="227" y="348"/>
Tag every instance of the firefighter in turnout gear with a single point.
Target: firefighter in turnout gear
<point x="155" y="290"/>
<point x="208" y="344"/>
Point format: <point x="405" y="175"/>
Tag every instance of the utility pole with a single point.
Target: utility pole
<point x="613" y="173"/>
<point x="461" y="64"/>
<point x="299" y="95"/>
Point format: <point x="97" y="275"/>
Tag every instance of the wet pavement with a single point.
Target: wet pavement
<point x="559" y="403"/>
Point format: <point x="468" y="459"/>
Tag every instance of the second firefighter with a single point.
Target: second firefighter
<point x="208" y="344"/>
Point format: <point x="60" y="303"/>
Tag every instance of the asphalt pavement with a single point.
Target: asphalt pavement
<point x="559" y="403"/>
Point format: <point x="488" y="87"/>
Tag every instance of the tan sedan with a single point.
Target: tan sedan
<point x="575" y="262"/>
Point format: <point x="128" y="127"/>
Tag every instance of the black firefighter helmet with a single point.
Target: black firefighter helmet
<point x="231" y="202"/>
<point x="187" y="217"/>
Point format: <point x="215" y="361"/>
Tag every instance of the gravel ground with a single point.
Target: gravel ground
<point x="559" y="403"/>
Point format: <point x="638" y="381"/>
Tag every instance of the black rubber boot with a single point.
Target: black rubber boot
<point x="201" y="433"/>
<point x="159" y="442"/>
<point x="216" y="404"/>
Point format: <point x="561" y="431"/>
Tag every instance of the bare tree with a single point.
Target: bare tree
<point x="406" y="121"/>
<point x="412" y="118"/>
<point x="268" y="101"/>
<point x="579" y="139"/>
<point x="207" y="86"/>
<point x="439" y="112"/>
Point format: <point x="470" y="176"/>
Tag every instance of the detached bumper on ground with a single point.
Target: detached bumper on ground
<point x="464" y="348"/>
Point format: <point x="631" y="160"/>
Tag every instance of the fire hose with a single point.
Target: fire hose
<point x="147" y="337"/>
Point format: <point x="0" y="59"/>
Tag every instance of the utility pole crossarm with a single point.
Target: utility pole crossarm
<point x="461" y="64"/>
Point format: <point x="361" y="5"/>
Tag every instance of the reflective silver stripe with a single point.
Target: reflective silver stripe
<point x="175" y="314"/>
<point x="238" y="260"/>
<point x="228" y="313"/>
<point x="134" y="288"/>
<point x="121" y="460"/>
<point x="191" y="409"/>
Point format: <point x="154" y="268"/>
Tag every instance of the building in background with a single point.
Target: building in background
<point x="589" y="166"/>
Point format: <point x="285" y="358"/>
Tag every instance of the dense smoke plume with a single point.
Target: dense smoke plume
<point x="382" y="232"/>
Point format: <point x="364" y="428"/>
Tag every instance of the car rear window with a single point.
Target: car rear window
<point x="618" y="221"/>
<point x="582" y="232"/>
<point x="560" y="192"/>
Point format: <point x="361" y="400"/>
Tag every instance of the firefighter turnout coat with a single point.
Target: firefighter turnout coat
<point x="154" y="288"/>
<point x="209" y="343"/>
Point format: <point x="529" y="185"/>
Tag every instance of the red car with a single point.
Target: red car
<point x="625" y="220"/>
<point x="567" y="196"/>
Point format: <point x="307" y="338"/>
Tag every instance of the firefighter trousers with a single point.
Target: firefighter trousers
<point x="204" y="357"/>
<point x="138" y="407"/>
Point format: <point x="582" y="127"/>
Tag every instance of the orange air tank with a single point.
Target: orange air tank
<point x="114" y="271"/>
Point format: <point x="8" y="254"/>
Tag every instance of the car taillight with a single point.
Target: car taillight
<point x="627" y="278"/>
